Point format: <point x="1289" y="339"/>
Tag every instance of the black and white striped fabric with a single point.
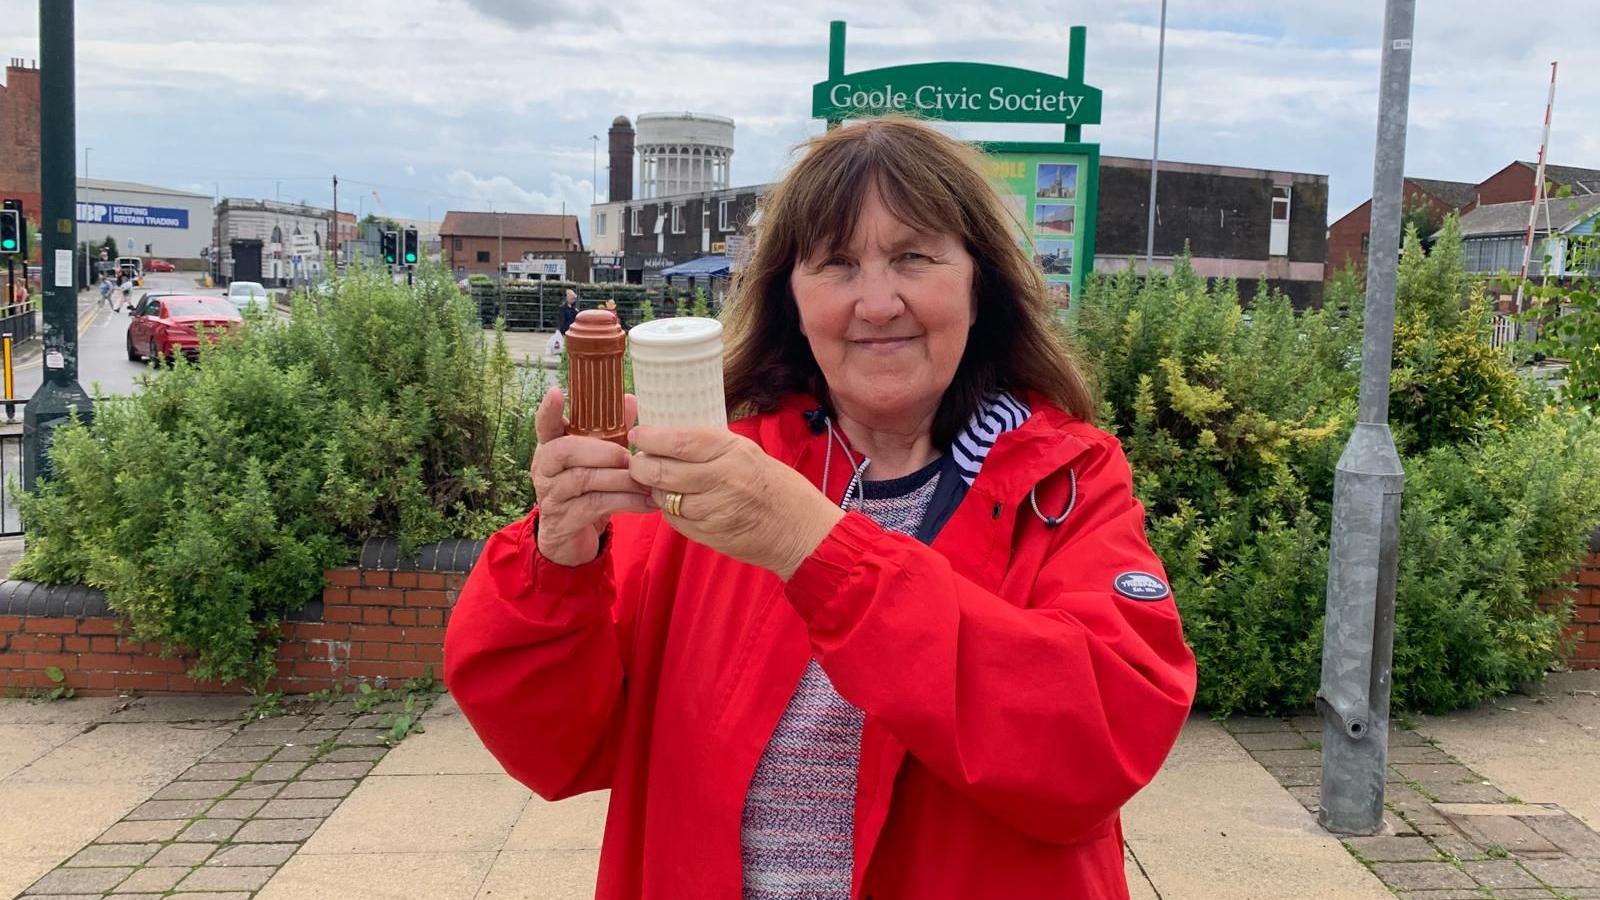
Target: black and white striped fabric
<point x="999" y="414"/>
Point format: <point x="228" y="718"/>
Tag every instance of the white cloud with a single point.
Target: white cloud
<point x="411" y="170"/>
<point x="500" y="193"/>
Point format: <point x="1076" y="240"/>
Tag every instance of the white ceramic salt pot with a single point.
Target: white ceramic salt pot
<point x="677" y="372"/>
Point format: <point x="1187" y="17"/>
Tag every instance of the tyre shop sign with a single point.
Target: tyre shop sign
<point x="957" y="92"/>
<point x="142" y="216"/>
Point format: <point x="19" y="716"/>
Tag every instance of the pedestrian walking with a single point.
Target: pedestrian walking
<point x="105" y="290"/>
<point x="127" y="294"/>
<point x="898" y="632"/>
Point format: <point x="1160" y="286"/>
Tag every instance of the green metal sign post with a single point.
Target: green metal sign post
<point x="60" y="395"/>
<point x="1050" y="189"/>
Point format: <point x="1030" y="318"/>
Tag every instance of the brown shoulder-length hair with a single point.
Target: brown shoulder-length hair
<point x="933" y="183"/>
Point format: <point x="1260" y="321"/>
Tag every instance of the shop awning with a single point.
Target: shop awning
<point x="706" y="266"/>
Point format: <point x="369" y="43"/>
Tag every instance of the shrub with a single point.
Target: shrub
<point x="207" y="505"/>
<point x="1448" y="384"/>
<point x="1485" y="527"/>
<point x="1234" y="418"/>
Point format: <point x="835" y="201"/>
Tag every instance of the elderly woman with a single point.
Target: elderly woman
<point x="898" y="632"/>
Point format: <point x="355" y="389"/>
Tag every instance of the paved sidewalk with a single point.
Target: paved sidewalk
<point x="118" y="798"/>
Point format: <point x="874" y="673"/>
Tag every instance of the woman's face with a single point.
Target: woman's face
<point x="887" y="316"/>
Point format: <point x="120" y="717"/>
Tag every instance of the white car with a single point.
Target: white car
<point x="249" y="294"/>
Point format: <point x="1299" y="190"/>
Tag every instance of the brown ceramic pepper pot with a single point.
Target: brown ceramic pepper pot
<point x="595" y="344"/>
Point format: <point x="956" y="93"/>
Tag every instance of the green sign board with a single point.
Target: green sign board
<point x="1049" y="189"/>
<point x="958" y="92"/>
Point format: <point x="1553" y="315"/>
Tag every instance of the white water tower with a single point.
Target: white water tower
<point x="683" y="153"/>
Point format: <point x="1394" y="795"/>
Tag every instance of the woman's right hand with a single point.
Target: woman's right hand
<point x="580" y="482"/>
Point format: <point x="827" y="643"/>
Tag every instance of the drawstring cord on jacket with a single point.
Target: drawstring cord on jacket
<point x="819" y="420"/>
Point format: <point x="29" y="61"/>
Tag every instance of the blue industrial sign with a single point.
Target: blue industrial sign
<point x="142" y="216"/>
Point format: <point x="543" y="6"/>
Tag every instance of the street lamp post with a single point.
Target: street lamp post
<point x="86" y="161"/>
<point x="59" y="394"/>
<point x="1363" y="550"/>
<point x="1155" y="149"/>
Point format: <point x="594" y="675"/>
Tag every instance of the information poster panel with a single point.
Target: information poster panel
<point x="1050" y="194"/>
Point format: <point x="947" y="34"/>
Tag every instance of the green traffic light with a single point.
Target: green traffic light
<point x="8" y="244"/>
<point x="411" y="257"/>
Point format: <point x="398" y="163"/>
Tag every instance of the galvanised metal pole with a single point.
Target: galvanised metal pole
<point x="59" y="393"/>
<point x="1155" y="150"/>
<point x="1363" y="552"/>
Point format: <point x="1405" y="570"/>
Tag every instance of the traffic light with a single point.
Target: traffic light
<point x="410" y="247"/>
<point x="391" y="241"/>
<point x="13" y="230"/>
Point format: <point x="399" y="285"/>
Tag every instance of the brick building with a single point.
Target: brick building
<point x="474" y="243"/>
<point x="1514" y="183"/>
<point x="1347" y="238"/>
<point x="20" y="174"/>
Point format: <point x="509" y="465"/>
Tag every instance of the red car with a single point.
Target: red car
<point x="165" y="325"/>
<point x="159" y="265"/>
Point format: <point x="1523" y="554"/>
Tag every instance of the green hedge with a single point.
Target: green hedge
<point x="1234" y="419"/>
<point x="208" y="505"/>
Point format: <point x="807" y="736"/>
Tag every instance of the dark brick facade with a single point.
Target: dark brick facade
<point x="641" y="258"/>
<point x="1223" y="215"/>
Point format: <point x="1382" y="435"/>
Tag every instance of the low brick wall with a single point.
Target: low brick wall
<point x="1584" y="629"/>
<point x="382" y="619"/>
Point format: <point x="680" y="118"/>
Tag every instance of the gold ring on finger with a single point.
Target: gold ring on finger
<point x="673" y="504"/>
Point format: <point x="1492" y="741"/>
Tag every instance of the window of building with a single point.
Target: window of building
<point x="600" y="225"/>
<point x="455" y="244"/>
<point x="677" y="219"/>
<point x="722" y="215"/>
<point x="1280" y="204"/>
<point x="634" y="227"/>
<point x="1365" y="240"/>
<point x="483" y="256"/>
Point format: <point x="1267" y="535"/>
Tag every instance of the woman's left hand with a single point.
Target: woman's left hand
<point x="737" y="500"/>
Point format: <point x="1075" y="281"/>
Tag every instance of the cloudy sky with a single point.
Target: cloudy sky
<point x="431" y="105"/>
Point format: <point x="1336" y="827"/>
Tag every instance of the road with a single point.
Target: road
<point x="103" y="363"/>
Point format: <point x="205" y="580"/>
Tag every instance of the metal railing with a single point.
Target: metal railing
<point x="20" y="320"/>
<point x="10" y="476"/>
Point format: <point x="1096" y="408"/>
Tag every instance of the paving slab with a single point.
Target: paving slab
<point x="553" y="874"/>
<point x="113" y="855"/>
<point x="448" y="747"/>
<point x="153" y="880"/>
<point x="577" y="823"/>
<point x="180" y="708"/>
<point x="43" y="824"/>
<point x="227" y="878"/>
<point x="407" y="813"/>
<point x="149" y="754"/>
<point x="339" y="876"/>
<point x="80" y="881"/>
<point x="22" y="744"/>
<point x="1213" y="817"/>
<point x="79" y="711"/>
<point x="1542" y="748"/>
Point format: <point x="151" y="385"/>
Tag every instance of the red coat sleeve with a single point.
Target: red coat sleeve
<point x="535" y="654"/>
<point x="1048" y="716"/>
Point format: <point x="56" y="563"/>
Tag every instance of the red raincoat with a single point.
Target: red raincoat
<point x="1020" y="682"/>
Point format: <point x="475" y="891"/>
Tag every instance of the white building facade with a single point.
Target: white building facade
<point x="144" y="220"/>
<point x="271" y="242"/>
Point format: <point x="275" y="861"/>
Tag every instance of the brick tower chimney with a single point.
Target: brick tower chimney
<point x="621" y="134"/>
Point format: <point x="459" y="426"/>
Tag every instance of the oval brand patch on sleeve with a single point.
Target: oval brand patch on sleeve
<point x="1141" y="586"/>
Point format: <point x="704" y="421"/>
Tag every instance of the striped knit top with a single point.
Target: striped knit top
<point x="799" y="814"/>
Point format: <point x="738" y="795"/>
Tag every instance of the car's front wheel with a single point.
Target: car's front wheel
<point x="133" y="355"/>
